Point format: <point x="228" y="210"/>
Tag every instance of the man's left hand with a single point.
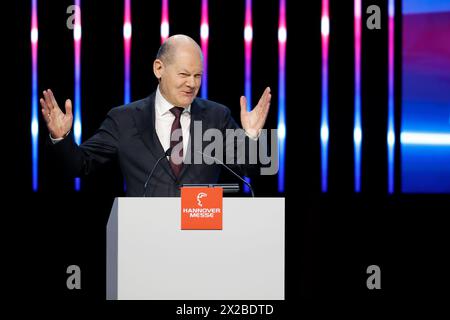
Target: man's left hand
<point x="253" y="121"/>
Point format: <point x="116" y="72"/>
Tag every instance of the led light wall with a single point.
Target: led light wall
<point x="425" y="123"/>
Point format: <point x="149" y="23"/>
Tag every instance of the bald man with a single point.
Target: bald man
<point x="140" y="133"/>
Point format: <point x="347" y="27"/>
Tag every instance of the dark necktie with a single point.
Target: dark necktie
<point x="176" y="168"/>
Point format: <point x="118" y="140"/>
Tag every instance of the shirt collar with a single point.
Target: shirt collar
<point x="163" y="106"/>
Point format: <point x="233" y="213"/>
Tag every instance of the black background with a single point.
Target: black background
<point x="330" y="238"/>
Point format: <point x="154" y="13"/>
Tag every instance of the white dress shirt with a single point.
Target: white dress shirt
<point x="164" y="119"/>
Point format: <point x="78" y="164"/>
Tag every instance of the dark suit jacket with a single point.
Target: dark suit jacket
<point x="128" y="134"/>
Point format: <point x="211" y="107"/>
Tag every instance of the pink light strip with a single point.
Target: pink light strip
<point x="248" y="38"/>
<point x="204" y="37"/>
<point x="34" y="95"/>
<point x="164" y="20"/>
<point x="127" y="30"/>
<point x="391" y="117"/>
<point x="282" y="38"/>
<point x="357" y="130"/>
<point x="324" y="127"/>
<point x="77" y="80"/>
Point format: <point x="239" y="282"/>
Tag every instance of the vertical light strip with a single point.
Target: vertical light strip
<point x="127" y="50"/>
<point x="248" y="39"/>
<point x="77" y="80"/>
<point x="357" y="130"/>
<point x="127" y="31"/>
<point x="34" y="95"/>
<point x="164" y="20"/>
<point x="324" y="129"/>
<point x="282" y="37"/>
<point x="391" y="126"/>
<point x="204" y="37"/>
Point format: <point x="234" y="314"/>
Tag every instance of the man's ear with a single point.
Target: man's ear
<point x="158" y="68"/>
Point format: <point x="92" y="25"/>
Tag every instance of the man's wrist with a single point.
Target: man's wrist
<point x="252" y="136"/>
<point x="56" y="140"/>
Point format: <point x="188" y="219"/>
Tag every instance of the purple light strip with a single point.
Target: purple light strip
<point x="77" y="80"/>
<point x="34" y="95"/>
<point x="324" y="128"/>
<point x="164" y="20"/>
<point x="282" y="37"/>
<point x="127" y="29"/>
<point x="204" y="37"/>
<point x="391" y="117"/>
<point x="357" y="130"/>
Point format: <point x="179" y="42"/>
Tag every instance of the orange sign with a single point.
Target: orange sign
<point x="201" y="208"/>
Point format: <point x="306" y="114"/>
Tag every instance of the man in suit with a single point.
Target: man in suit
<point x="139" y="133"/>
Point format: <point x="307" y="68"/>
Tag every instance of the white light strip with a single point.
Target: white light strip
<point x="436" y="139"/>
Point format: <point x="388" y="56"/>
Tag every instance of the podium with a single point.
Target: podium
<point x="149" y="257"/>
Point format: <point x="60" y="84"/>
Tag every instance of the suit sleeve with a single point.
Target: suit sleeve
<point x="97" y="150"/>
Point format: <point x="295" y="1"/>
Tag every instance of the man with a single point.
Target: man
<point x="138" y="134"/>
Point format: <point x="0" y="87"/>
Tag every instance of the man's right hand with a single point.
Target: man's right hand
<point x="58" y="122"/>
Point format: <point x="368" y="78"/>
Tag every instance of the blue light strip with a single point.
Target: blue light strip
<point x="324" y="131"/>
<point x="248" y="38"/>
<point x="77" y="81"/>
<point x="391" y="126"/>
<point x="282" y="37"/>
<point x="357" y="130"/>
<point x="34" y="96"/>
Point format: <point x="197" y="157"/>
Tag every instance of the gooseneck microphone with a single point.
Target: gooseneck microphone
<point x="229" y="169"/>
<point x="166" y="154"/>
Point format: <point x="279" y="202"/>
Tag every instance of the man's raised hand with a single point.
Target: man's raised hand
<point x="253" y="121"/>
<point x="58" y="122"/>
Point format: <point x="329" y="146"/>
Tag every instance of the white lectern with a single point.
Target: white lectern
<point x="149" y="256"/>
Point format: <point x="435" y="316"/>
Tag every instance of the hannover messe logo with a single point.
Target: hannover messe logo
<point x="201" y="208"/>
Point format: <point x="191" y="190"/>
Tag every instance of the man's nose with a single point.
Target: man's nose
<point x="190" y="82"/>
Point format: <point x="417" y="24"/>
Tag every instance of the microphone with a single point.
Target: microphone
<point x="166" y="154"/>
<point x="229" y="169"/>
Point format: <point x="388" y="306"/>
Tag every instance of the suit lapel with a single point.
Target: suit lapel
<point x="145" y="122"/>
